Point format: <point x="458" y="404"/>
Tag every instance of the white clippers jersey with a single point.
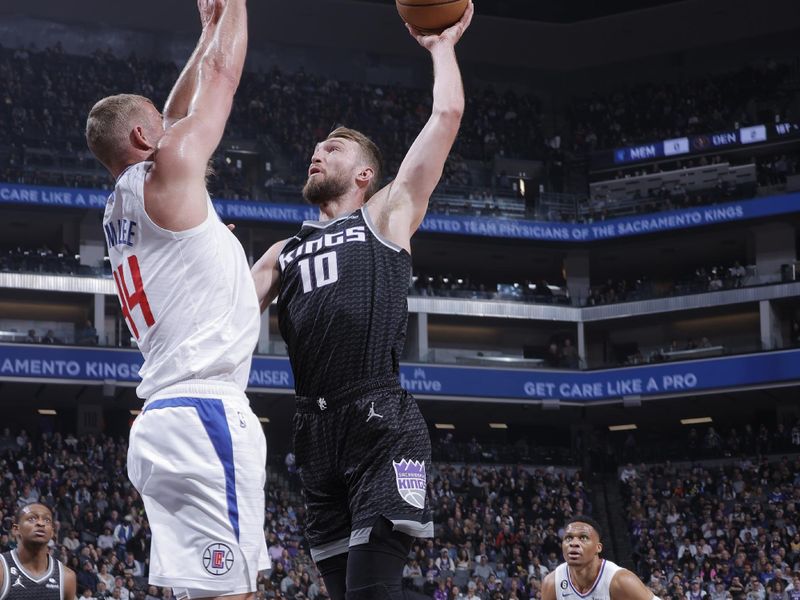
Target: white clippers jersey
<point x="188" y="297"/>
<point x="599" y="591"/>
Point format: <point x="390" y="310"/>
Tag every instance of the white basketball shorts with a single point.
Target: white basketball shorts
<point x="198" y="457"/>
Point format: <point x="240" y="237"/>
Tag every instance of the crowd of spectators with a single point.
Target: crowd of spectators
<point x="47" y="95"/>
<point x="718" y="532"/>
<point x="497" y="531"/>
<point x="82" y="335"/>
<point x="463" y="286"/>
<point x="40" y="259"/>
<point x="539" y="291"/>
<point x="704" y="279"/>
<point x="706" y="444"/>
<point x="660" y="111"/>
<point x="675" y="350"/>
<point x="497" y="527"/>
<point x="451" y="449"/>
<point x="281" y="115"/>
<point x="101" y="529"/>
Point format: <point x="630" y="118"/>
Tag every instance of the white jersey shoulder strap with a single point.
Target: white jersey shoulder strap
<point x="4" y="570"/>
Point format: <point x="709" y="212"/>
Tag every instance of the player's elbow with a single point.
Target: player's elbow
<point x="451" y="113"/>
<point x="448" y="119"/>
<point x="217" y="69"/>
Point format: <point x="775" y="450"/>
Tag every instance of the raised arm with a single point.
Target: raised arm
<point x="177" y="105"/>
<point x="175" y="189"/>
<point x="399" y="208"/>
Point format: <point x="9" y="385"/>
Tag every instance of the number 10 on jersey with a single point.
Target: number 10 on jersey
<point x="323" y="271"/>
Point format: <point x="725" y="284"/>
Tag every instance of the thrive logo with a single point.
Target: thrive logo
<point x="420" y="383"/>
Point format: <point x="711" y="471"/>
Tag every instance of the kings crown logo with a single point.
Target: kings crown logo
<point x="410" y="476"/>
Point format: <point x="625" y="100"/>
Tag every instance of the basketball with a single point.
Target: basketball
<point x="431" y="16"/>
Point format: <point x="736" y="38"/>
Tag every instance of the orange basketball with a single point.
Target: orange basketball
<point x="431" y="16"/>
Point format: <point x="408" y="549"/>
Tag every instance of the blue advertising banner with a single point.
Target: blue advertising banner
<point x="94" y="365"/>
<point x="475" y="226"/>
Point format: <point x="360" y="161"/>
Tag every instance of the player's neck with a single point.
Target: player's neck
<point x="583" y="577"/>
<point x="338" y="207"/>
<point x="35" y="560"/>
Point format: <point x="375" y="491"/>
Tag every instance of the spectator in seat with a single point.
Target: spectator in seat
<point x="570" y="353"/>
<point x="738" y="274"/>
<point x="50" y="338"/>
<point x="87" y="335"/>
<point x="482" y="569"/>
<point x="628" y="474"/>
<point x="553" y="358"/>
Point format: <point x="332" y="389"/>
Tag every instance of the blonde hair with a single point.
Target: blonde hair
<point x="370" y="151"/>
<point x="109" y="123"/>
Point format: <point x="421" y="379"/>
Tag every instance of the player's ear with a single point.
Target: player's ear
<point x="139" y="139"/>
<point x="599" y="547"/>
<point x="365" y="175"/>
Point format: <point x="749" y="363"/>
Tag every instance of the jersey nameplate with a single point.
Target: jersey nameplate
<point x="329" y="240"/>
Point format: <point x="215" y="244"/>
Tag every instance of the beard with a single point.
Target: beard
<point x="323" y="188"/>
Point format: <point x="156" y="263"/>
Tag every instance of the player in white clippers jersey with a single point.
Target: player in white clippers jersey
<point x="587" y="576"/>
<point x="197" y="452"/>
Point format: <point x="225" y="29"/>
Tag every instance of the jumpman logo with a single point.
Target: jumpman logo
<point x="19" y="583"/>
<point x="372" y="413"/>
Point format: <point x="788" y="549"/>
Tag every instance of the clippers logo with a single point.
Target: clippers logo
<point x="410" y="476"/>
<point x="218" y="559"/>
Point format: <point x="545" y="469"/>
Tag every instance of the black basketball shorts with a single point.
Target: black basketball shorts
<point x="362" y="453"/>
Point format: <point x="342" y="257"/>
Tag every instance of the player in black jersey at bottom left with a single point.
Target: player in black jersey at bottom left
<point x="29" y="572"/>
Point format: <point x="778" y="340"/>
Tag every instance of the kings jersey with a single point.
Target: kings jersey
<point x="343" y="307"/>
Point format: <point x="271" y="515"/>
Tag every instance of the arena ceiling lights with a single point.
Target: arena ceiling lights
<point x="626" y="427"/>
<point x="263" y="419"/>
<point x="697" y="421"/>
<point x="498" y="425"/>
<point x="444" y="426"/>
<point x="47" y="411"/>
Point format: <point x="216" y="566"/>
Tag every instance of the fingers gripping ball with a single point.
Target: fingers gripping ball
<point x="431" y="16"/>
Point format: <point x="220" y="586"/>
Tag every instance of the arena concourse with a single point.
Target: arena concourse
<point x="604" y="312"/>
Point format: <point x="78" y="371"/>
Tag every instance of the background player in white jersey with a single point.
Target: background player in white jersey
<point x="29" y="572"/>
<point x="587" y="576"/>
<point x="360" y="441"/>
<point x="197" y="452"/>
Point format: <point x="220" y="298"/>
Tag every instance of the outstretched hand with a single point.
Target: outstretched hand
<point x="450" y="36"/>
<point x="210" y="11"/>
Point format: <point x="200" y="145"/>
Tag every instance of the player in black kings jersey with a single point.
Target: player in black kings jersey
<point x="361" y="444"/>
<point x="29" y="572"/>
